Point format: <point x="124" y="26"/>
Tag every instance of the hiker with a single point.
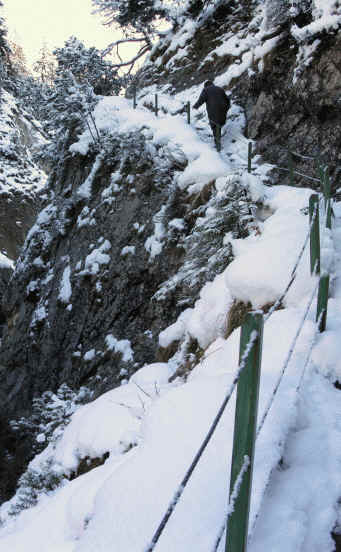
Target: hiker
<point x="217" y="104"/>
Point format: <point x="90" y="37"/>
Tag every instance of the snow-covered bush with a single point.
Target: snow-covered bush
<point x="227" y="215"/>
<point x="51" y="413"/>
<point x="81" y="74"/>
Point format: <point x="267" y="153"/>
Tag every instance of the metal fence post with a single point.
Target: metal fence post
<point x="322" y="302"/>
<point x="134" y="99"/>
<point x="327" y="199"/>
<point x="329" y="214"/>
<point x="189" y="113"/>
<point x="249" y="157"/>
<point x="315" y="263"/>
<point x="217" y="131"/>
<point x="291" y="168"/>
<point x="156" y="105"/>
<point x="245" y="431"/>
<point x="326" y="184"/>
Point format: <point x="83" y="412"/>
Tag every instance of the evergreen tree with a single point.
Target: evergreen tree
<point x="4" y="48"/>
<point x="45" y="66"/>
<point x="4" y="51"/>
<point x="140" y="20"/>
<point x="138" y="16"/>
<point x="81" y="75"/>
<point x="67" y="109"/>
<point x="17" y="60"/>
<point x="34" y="96"/>
<point x="88" y="67"/>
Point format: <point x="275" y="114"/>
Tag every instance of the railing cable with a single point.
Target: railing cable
<point x="234" y="495"/>
<point x="293" y="273"/>
<point x="287" y="360"/>
<point x="202" y="448"/>
<point x="267" y="410"/>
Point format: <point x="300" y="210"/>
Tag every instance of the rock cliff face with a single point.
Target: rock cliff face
<point x="21" y="183"/>
<point x="283" y="68"/>
<point x="85" y="284"/>
<point x="77" y="248"/>
<point x="118" y="253"/>
<point x="111" y="261"/>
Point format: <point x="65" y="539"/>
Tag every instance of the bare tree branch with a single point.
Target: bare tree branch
<point x="132" y="61"/>
<point x="111" y="46"/>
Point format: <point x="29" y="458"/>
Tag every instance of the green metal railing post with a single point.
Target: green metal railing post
<point x="245" y="430"/>
<point x="217" y="131"/>
<point x="156" y="105"/>
<point x="189" y="113"/>
<point x="249" y="157"/>
<point x="291" y="168"/>
<point x="315" y="262"/>
<point x="322" y="302"/>
<point x="327" y="198"/>
<point x="323" y="173"/>
<point x="329" y="214"/>
<point x="326" y="190"/>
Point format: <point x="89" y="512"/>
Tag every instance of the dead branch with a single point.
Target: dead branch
<point x="111" y="46"/>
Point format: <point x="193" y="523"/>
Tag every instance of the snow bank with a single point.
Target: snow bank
<point x="263" y="264"/>
<point x="152" y="430"/>
<point x="116" y="114"/>
<point x="6" y="262"/>
<point x="122" y="346"/>
<point x="261" y="268"/>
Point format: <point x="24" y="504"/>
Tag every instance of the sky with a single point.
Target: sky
<point x="31" y="23"/>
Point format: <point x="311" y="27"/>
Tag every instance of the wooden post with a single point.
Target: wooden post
<point x="249" y="157"/>
<point x="322" y="302"/>
<point x="189" y="113"/>
<point x="156" y="105"/>
<point x="315" y="263"/>
<point x="245" y="431"/>
<point x="291" y="168"/>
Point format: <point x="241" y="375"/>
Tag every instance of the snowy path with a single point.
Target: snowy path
<point x="119" y="505"/>
<point x="300" y="507"/>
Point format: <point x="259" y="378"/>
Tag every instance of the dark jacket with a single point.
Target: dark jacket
<point x="217" y="103"/>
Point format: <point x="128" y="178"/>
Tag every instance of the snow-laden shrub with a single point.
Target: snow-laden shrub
<point x="50" y="415"/>
<point x="227" y="215"/>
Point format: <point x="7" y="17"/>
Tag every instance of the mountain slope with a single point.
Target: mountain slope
<point x="135" y="277"/>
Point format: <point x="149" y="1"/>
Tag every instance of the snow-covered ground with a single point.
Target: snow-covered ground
<point x="152" y="428"/>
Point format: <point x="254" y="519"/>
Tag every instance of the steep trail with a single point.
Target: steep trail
<point x="300" y="508"/>
<point x="153" y="434"/>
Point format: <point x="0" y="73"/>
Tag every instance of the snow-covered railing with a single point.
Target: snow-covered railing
<point x="185" y="108"/>
<point x="245" y="433"/>
<point x="247" y="382"/>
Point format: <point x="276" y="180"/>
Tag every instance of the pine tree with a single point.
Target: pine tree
<point x="4" y="51"/>
<point x="45" y="66"/>
<point x="17" y="59"/>
<point x="135" y="15"/>
<point x="88" y="67"/>
<point x="81" y="75"/>
<point x="140" y="21"/>
<point x="34" y="96"/>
